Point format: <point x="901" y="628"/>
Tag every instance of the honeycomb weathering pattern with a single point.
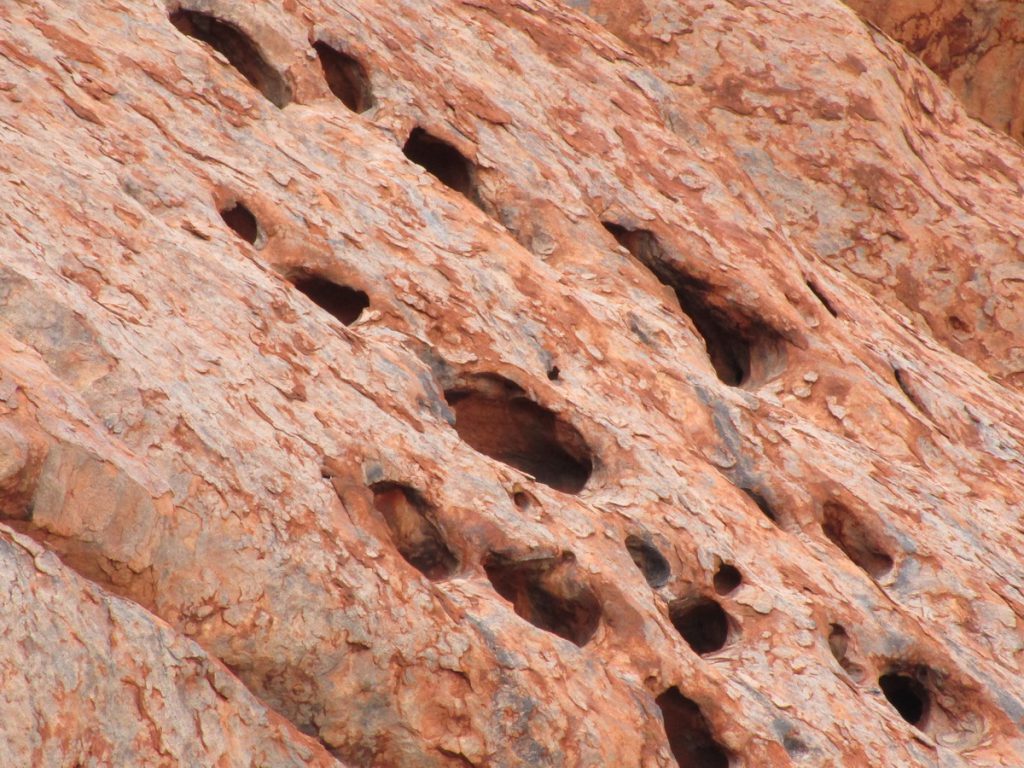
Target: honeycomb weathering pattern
<point x="184" y="428"/>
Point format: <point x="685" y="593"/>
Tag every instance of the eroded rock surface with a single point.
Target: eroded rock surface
<point x="976" y="47"/>
<point x="492" y="384"/>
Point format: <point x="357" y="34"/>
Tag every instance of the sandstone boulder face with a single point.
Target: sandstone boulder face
<point x="490" y="384"/>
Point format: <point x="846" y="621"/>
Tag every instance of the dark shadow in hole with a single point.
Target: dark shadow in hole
<point x="907" y="696"/>
<point x="822" y="298"/>
<point x="444" y="162"/>
<point x="742" y="350"/>
<point x="688" y="734"/>
<point x="727" y="578"/>
<point x="548" y="593"/>
<point x="649" y="560"/>
<point x="762" y="504"/>
<point x="414" y="533"/>
<point x="496" y="418"/>
<point x="524" y="501"/>
<point x="346" y="77"/>
<point x="242" y="222"/>
<point x="344" y="303"/>
<point x="238" y="49"/>
<point x="845" y="531"/>
<point x="702" y="623"/>
<point x="553" y="373"/>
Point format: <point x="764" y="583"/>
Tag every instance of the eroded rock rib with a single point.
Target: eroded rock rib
<point x="482" y="389"/>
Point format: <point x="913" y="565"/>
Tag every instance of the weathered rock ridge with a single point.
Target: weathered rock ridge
<point x="464" y="382"/>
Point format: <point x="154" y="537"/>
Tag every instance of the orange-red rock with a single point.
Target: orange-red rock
<point x="638" y="429"/>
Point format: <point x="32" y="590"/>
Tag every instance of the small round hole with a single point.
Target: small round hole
<point x="703" y="624"/>
<point x="727" y="578"/>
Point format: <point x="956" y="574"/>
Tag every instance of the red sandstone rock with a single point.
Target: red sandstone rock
<point x="976" y="47"/>
<point x="626" y="434"/>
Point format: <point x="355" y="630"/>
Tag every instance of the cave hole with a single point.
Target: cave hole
<point x="689" y="737"/>
<point x="907" y="696"/>
<point x="548" y="593"/>
<point x="346" y="77"/>
<point x="344" y="303"/>
<point x="242" y="222"/>
<point x="238" y="49"/>
<point x="742" y="350"/>
<point x="496" y="418"/>
<point x="849" y="534"/>
<point x="822" y="298"/>
<point x="649" y="560"/>
<point x="702" y="623"/>
<point x="553" y="373"/>
<point x="727" y="578"/>
<point x="413" y="531"/>
<point x="444" y="162"/>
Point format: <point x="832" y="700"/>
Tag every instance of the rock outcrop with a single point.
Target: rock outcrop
<point x="504" y="384"/>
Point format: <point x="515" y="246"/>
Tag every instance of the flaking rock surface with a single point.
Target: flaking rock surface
<point x="469" y="382"/>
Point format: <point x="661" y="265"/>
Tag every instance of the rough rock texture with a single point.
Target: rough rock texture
<point x="976" y="47"/>
<point x="637" y="430"/>
<point x="91" y="679"/>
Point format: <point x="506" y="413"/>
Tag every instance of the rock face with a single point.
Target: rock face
<point x="504" y="384"/>
<point x="978" y="48"/>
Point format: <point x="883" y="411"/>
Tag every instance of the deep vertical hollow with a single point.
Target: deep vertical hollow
<point x="413" y="531"/>
<point x="346" y="77"/>
<point x="444" y="162"/>
<point x="689" y="736"/>
<point x="651" y="563"/>
<point x="549" y="593"/>
<point x="907" y="696"/>
<point x="727" y="578"/>
<point x="702" y="623"/>
<point x="238" y="49"/>
<point x="496" y="418"/>
<point x="344" y="303"/>
<point x="242" y="222"/>
<point x="742" y="350"/>
<point x="858" y="543"/>
<point x="762" y="504"/>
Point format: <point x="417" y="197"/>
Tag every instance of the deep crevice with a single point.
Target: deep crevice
<point x="822" y="298"/>
<point x="344" y="303"/>
<point x="689" y="736"/>
<point x="444" y="162"/>
<point x="242" y="222"/>
<point x="496" y="418"/>
<point x="346" y="77"/>
<point x="649" y="560"/>
<point x="742" y="350"/>
<point x="238" y="49"/>
<point x="702" y="623"/>
<point x="845" y="531"/>
<point x="413" y="530"/>
<point x="762" y="504"/>
<point x="549" y="593"/>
